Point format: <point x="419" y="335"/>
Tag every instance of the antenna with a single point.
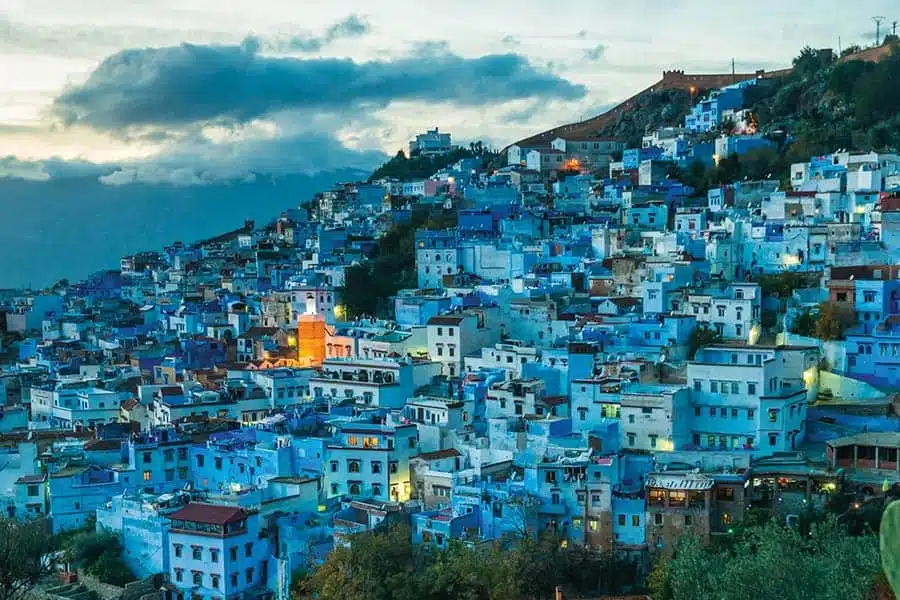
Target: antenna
<point x="878" y="21"/>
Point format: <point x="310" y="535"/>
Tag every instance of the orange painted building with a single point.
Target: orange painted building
<point x="311" y="340"/>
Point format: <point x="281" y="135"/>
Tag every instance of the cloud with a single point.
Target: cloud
<point x="510" y="40"/>
<point x="595" y="53"/>
<point x="12" y="167"/>
<point x="353" y="26"/>
<point x="200" y="161"/>
<point x="179" y="85"/>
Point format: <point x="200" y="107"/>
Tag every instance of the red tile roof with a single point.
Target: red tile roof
<point x="211" y="514"/>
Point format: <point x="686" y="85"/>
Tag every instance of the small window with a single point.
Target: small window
<point x="658" y="519"/>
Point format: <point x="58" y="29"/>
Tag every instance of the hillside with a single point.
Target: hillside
<point x="823" y="102"/>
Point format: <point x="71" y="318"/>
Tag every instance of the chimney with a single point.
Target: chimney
<point x="559" y="593"/>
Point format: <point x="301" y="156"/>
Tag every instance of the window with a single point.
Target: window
<point x="392" y="468"/>
<point x="726" y="519"/>
<point x="353" y="466"/>
<point x="376" y="467"/>
<point x="214" y="579"/>
<point x="200" y="460"/>
<point x="197" y="552"/>
<point x="751" y="413"/>
<point x="697" y="411"/>
<point x="653" y="441"/>
<point x="376" y="489"/>
<point x="198" y="578"/>
<point x="148" y="475"/>
<point x="658" y="519"/>
<point x="554" y="498"/>
<point x="248" y="549"/>
<point x="751" y="389"/>
<point x="249" y="575"/>
<point x="734" y="387"/>
<point x="593" y="524"/>
<point x="232" y="553"/>
<point x="234" y="579"/>
<point x="773" y="415"/>
<point x="688" y="520"/>
<point x="450" y="331"/>
<point x="412" y="442"/>
<point x="621" y="520"/>
<point x="148" y="458"/>
<point x="714" y="386"/>
<point x="712" y="411"/>
<point x="595" y="499"/>
<point x="773" y="439"/>
<point x="177" y="549"/>
<point x="698" y="385"/>
<point x="334" y="466"/>
<point x="723" y="412"/>
<point x="214" y="555"/>
<point x="32" y="490"/>
<point x="440" y="331"/>
<point x="725" y="494"/>
<point x="734" y="359"/>
<point x="631" y="439"/>
<point x="635" y="520"/>
<point x="696" y="439"/>
<point x="631" y="418"/>
<point x="179" y="575"/>
<point x="169" y="455"/>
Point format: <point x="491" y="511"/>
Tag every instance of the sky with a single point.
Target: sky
<point x="198" y="92"/>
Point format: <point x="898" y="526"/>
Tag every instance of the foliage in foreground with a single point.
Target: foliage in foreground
<point x="385" y="565"/>
<point x="771" y="561"/>
<point x="100" y="555"/>
<point x="25" y="556"/>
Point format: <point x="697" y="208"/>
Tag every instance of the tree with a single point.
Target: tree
<point x="832" y="322"/>
<point x="805" y="324"/>
<point x="26" y="549"/>
<point x="826" y="563"/>
<point x="701" y="337"/>
<point x="378" y="565"/>
<point x="98" y="554"/>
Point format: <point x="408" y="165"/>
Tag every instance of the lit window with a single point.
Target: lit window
<point x="148" y="475"/>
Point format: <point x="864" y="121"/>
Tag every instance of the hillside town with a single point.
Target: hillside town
<point x="586" y="343"/>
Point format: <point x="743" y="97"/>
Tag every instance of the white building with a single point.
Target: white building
<point x="732" y="311"/>
<point x="452" y="337"/>
<point x="752" y="397"/>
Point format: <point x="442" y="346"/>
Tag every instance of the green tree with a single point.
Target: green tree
<point x="773" y="561"/>
<point x="701" y="337"/>
<point x="379" y="565"/>
<point x="805" y="324"/>
<point x="832" y="322"/>
<point x="26" y="556"/>
<point x="98" y="554"/>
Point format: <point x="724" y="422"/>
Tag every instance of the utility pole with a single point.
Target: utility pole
<point x="878" y="21"/>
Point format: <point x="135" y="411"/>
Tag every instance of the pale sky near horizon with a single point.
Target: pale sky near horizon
<point x="71" y="91"/>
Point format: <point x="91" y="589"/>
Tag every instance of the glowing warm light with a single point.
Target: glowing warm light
<point x="754" y="335"/>
<point x="716" y="159"/>
<point x="829" y="487"/>
<point x="340" y="312"/>
<point x="810" y="377"/>
<point x="665" y="446"/>
<point x="450" y="180"/>
<point x="790" y="260"/>
<point x="292" y="341"/>
<point x="860" y="210"/>
<point x="573" y="165"/>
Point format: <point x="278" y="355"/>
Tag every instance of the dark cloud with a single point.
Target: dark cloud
<point x="595" y="53"/>
<point x="175" y="86"/>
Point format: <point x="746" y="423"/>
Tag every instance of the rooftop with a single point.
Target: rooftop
<point x="211" y="514"/>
